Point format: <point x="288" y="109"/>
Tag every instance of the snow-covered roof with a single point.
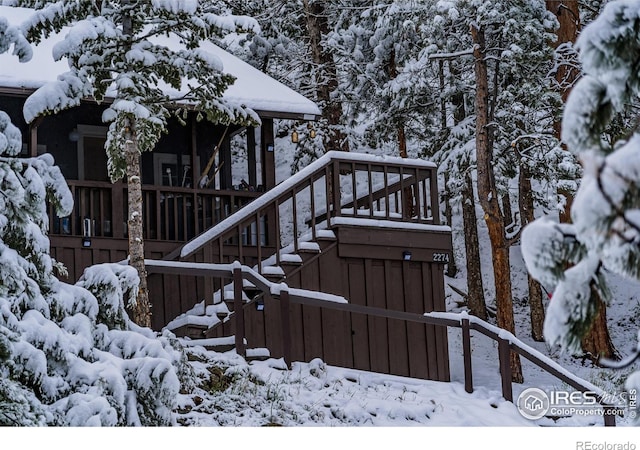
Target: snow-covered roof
<point x="253" y="88"/>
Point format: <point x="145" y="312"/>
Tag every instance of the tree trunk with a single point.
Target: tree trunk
<point x="475" y="300"/>
<point x="326" y="78"/>
<point x="489" y="200"/>
<point x="597" y="342"/>
<point x="142" y="308"/>
<point x="536" y="308"/>
<point x="507" y="213"/>
<point x="568" y="15"/>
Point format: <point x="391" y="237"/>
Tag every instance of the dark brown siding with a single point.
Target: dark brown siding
<point x="357" y="340"/>
<point x="379" y="278"/>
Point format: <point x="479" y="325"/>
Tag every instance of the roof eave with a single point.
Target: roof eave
<point x="25" y="92"/>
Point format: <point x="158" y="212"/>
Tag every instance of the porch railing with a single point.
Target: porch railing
<point x="170" y="213"/>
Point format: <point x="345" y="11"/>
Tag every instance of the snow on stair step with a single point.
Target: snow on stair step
<point x="325" y="234"/>
<point x="291" y="258"/>
<point x="309" y="247"/>
<point x="272" y="270"/>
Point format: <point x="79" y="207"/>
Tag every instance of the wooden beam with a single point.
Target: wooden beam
<point x="268" y="154"/>
<point x="251" y="156"/>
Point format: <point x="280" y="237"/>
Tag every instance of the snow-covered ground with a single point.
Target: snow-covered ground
<point x="313" y="394"/>
<point x="320" y="405"/>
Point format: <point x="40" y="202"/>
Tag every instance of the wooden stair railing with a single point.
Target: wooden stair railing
<point x="299" y="205"/>
<point x="280" y="291"/>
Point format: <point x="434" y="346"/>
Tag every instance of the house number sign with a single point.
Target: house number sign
<point x="441" y="257"/>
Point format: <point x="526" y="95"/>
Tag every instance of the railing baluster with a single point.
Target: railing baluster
<point x="196" y="214"/>
<point x="354" y="189"/>
<point x="176" y="217"/>
<point x="370" y="182"/>
<point x="416" y="194"/>
<point x="435" y="213"/>
<point x="185" y="218"/>
<point x="403" y="196"/>
<point x="277" y="232"/>
<point x="425" y="199"/>
<point x="240" y="243"/>
<point x="259" y="241"/>
<point x="335" y="189"/>
<point x="327" y="194"/>
<point x="312" y="202"/>
<point x="387" y="208"/>
<point x="101" y="211"/>
<point x="295" y="220"/>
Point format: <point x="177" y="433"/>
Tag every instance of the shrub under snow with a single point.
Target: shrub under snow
<point x="69" y="354"/>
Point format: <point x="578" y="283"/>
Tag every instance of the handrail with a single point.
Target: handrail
<point x="330" y="167"/>
<point x="506" y="341"/>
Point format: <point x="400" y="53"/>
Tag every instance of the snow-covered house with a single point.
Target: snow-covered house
<point x="357" y="226"/>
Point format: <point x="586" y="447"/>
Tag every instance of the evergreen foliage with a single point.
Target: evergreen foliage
<point x="69" y="355"/>
<point x="145" y="72"/>
<point x="605" y="234"/>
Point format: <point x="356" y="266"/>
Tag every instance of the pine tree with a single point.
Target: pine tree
<point x="506" y="58"/>
<point x="69" y="355"/>
<point x="126" y="50"/>
<point x="604" y="234"/>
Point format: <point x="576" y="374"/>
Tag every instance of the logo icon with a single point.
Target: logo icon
<point x="533" y="403"/>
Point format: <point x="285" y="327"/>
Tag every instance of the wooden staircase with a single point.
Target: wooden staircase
<point x="295" y="227"/>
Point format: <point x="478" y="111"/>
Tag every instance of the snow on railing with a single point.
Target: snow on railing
<point x="508" y="342"/>
<point x="416" y="179"/>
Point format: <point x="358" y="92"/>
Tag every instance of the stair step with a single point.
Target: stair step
<point x="287" y="264"/>
<point x="190" y="331"/>
<point x="325" y="235"/>
<point x="308" y="247"/>
<point x="275" y="274"/>
<point x="257" y="354"/>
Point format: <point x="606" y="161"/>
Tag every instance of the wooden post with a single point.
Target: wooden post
<point x="285" y="317"/>
<point x="335" y="190"/>
<point x="251" y="156"/>
<point x="466" y="356"/>
<point x="195" y="170"/>
<point x="505" y="368"/>
<point x="609" y="419"/>
<point x="33" y="137"/>
<point x="267" y="158"/>
<point x="238" y="309"/>
<point x="268" y="154"/>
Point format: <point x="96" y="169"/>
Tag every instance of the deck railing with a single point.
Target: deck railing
<point x="338" y="187"/>
<point x="170" y="213"/>
<point x="506" y="342"/>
